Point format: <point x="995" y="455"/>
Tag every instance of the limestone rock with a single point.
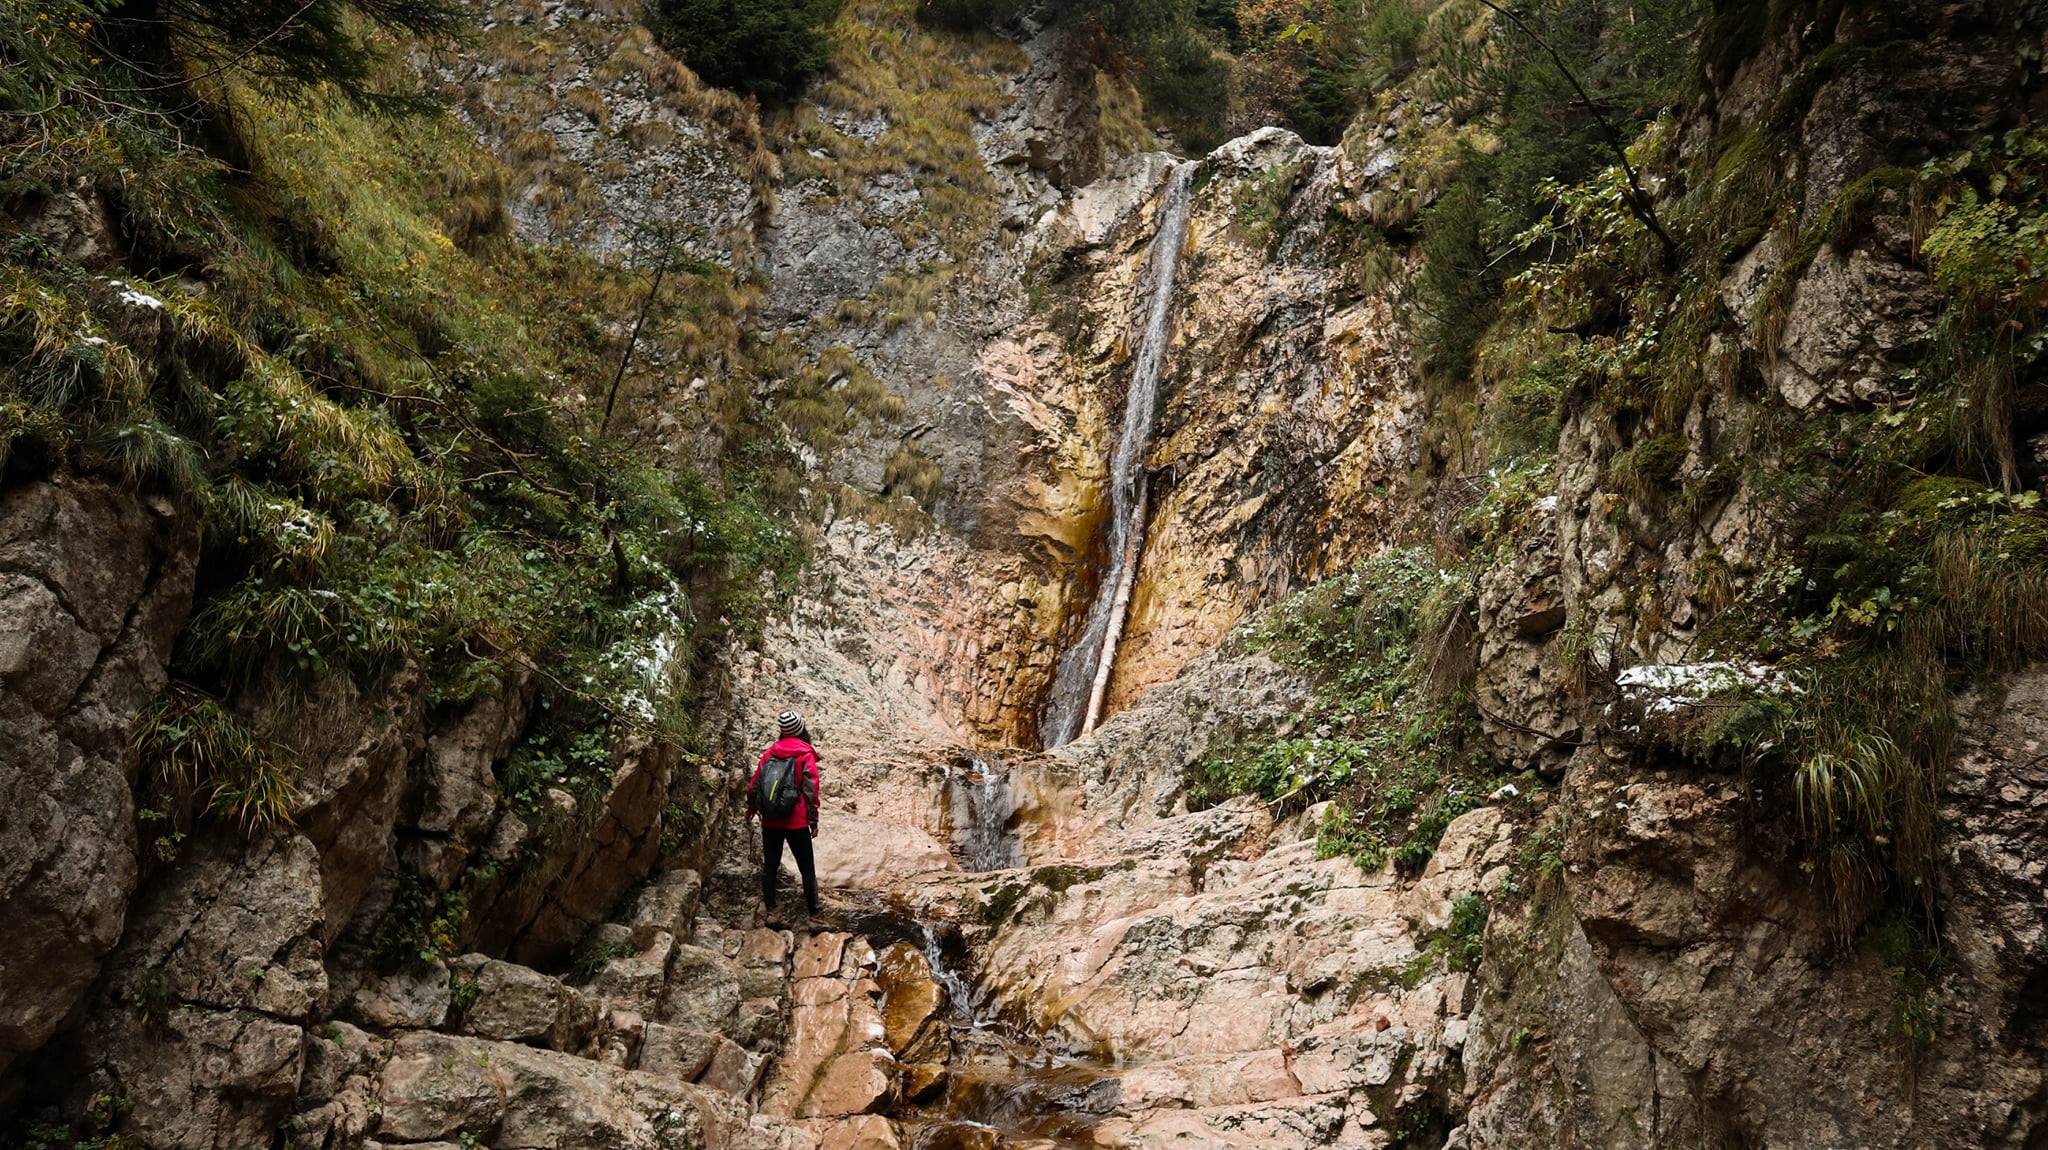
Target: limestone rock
<point x="674" y="1053"/>
<point x="197" y="1078"/>
<point x="93" y="587"/>
<point x="415" y="998"/>
<point x="510" y="1095"/>
<point x="515" y="1004"/>
<point x="703" y="991"/>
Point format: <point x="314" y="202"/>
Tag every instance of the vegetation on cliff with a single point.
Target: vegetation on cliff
<point x="769" y="48"/>
<point x="1903" y="558"/>
<point x="236" y="285"/>
<point x="1576" y="227"/>
<point x="1393" y="743"/>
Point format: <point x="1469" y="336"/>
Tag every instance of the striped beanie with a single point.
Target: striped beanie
<point x="791" y="725"/>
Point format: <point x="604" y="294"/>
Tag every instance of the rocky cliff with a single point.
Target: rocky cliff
<point x="1626" y="736"/>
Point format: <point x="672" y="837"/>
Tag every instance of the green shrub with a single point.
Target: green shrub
<point x="202" y="759"/>
<point x="1397" y="748"/>
<point x="770" y="48"/>
<point x="1464" y="941"/>
<point x="1526" y="416"/>
<point x="1184" y="79"/>
<point x="423" y="924"/>
<point x="967" y="15"/>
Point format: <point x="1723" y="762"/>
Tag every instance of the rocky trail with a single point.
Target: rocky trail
<point x="1048" y="950"/>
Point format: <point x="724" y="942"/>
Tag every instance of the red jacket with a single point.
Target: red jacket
<point x="806" y="813"/>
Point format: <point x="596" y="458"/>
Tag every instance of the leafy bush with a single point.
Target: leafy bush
<point x="1633" y="59"/>
<point x="207" y="759"/>
<point x="1464" y="942"/>
<point x="770" y="48"/>
<point x="967" y="15"/>
<point x="423" y="925"/>
<point x="1396" y="747"/>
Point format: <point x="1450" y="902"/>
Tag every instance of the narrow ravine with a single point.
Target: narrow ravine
<point x="1081" y="682"/>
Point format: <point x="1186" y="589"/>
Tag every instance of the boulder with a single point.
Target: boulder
<point x="444" y="1087"/>
<point x="515" y="1004"/>
<point x="703" y="991"/>
<point x="633" y="978"/>
<point x="674" y="1053"/>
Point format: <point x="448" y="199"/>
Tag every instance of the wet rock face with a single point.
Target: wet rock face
<point x="1290" y="406"/>
<point x="93" y="588"/>
<point x="1289" y="410"/>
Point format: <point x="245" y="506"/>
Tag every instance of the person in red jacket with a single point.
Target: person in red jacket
<point x="800" y="824"/>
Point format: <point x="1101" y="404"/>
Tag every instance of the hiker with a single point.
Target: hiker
<point x="784" y="792"/>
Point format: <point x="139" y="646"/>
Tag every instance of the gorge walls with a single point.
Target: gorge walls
<point x="1453" y="779"/>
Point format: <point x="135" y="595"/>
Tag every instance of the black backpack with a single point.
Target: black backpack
<point x="776" y="789"/>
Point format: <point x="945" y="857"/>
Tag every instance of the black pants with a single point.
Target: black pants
<point x="799" y="842"/>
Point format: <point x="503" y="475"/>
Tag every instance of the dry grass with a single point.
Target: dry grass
<point x="929" y="90"/>
<point x="910" y="472"/>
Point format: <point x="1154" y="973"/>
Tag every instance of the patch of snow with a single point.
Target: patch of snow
<point x="1662" y="688"/>
<point x="135" y="298"/>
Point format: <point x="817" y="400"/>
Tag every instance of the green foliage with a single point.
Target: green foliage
<point x="423" y="924"/>
<point x="1632" y="58"/>
<point x="770" y="48"/>
<point x="1917" y="966"/>
<point x="102" y="55"/>
<point x="594" y="955"/>
<point x="207" y="761"/>
<point x="96" y="1129"/>
<point x="1464" y="941"/>
<point x="569" y="751"/>
<point x="1454" y="302"/>
<point x="463" y="991"/>
<point x="967" y="15"/>
<point x="1921" y="564"/>
<point x="1396" y="747"/>
<point x="1262" y="200"/>
<point x="1526" y="415"/>
<point x="1183" y="77"/>
<point x="1646" y="466"/>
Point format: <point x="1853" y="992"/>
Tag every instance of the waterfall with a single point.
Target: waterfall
<point x="1082" y="679"/>
<point x="981" y="805"/>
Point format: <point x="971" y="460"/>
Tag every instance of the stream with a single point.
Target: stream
<point x="1004" y="1088"/>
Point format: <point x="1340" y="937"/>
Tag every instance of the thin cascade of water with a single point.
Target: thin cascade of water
<point x="982" y="805"/>
<point x="1082" y="679"/>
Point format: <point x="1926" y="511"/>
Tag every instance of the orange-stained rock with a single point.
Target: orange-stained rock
<point x="910" y="996"/>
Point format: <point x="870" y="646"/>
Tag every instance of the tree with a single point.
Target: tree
<point x="770" y="48"/>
